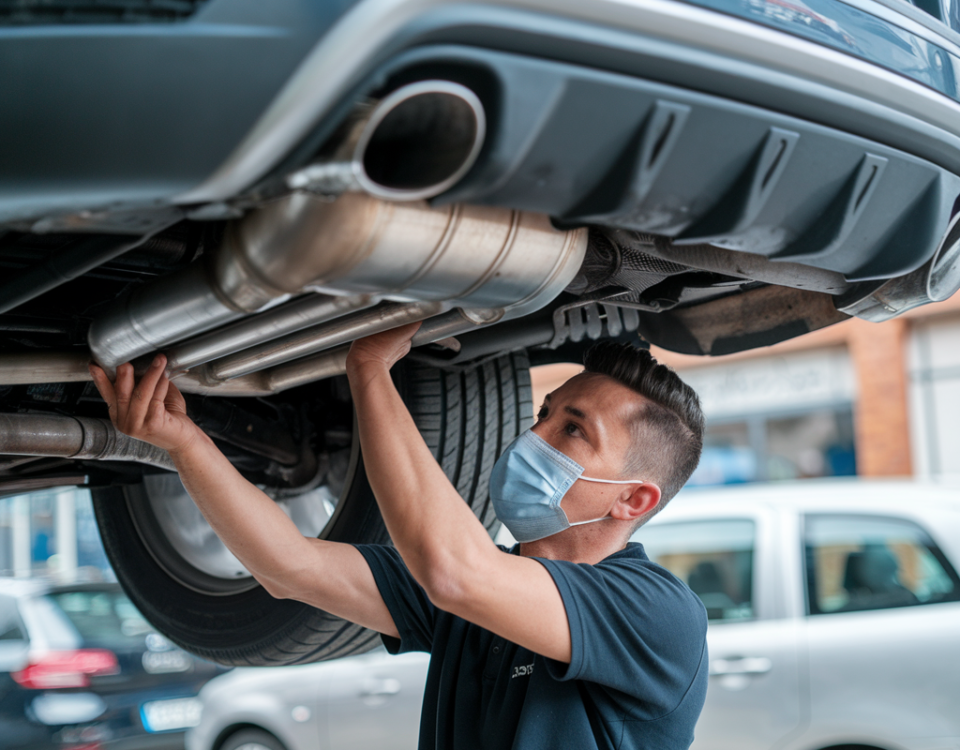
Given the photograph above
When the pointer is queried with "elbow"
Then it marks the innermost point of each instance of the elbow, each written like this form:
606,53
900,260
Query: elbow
280,584
445,590
276,588
449,578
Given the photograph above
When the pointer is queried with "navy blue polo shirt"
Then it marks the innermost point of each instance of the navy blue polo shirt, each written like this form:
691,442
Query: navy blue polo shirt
637,676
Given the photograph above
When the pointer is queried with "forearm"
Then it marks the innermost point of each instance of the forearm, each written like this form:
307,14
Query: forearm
250,523
434,530
328,575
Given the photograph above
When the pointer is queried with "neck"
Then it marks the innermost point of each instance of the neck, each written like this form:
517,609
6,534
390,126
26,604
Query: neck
579,544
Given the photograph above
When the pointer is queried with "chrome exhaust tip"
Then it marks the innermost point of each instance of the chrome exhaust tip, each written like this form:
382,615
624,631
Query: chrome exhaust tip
413,144
944,277
936,280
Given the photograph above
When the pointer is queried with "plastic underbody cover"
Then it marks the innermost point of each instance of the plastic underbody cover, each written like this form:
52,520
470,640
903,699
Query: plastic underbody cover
600,148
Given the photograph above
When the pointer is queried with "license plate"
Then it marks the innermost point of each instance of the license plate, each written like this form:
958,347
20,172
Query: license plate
163,662
165,716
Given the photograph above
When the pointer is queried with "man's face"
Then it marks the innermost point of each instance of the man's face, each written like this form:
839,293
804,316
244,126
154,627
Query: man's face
589,419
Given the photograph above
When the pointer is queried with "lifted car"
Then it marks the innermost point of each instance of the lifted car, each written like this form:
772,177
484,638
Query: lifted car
249,187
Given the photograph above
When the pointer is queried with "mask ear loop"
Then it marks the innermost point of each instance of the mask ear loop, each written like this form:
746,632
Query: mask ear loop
607,481
615,481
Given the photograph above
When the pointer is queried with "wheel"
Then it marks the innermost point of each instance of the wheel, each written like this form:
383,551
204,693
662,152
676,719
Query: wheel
192,589
251,739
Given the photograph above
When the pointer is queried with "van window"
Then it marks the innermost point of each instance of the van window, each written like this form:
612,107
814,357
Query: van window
714,558
857,563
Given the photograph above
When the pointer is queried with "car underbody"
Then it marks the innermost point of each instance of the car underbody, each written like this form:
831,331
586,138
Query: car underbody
249,190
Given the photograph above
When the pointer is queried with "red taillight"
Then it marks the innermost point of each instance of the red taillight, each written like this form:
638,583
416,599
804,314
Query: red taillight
66,669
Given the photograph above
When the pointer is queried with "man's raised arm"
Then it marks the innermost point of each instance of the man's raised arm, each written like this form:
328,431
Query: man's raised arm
445,547
328,575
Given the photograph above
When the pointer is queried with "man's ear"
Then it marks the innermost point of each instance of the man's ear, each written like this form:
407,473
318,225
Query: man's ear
636,501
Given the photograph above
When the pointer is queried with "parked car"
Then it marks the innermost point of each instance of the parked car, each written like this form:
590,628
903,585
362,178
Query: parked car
80,669
365,702
248,187
834,612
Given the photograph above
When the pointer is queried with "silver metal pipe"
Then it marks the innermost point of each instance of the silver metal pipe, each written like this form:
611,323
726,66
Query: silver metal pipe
453,323
332,362
325,336
62,367
28,368
470,256
166,310
267,326
327,364
75,437
413,144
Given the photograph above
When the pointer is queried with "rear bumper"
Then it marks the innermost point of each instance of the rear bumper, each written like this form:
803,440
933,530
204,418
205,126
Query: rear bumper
155,118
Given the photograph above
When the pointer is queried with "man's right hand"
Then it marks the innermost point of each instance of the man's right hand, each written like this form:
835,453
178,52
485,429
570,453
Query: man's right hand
152,410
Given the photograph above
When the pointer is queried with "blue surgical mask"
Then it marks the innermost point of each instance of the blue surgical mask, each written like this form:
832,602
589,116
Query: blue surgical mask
527,484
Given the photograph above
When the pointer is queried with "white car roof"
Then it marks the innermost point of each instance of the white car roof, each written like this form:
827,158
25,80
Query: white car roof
851,494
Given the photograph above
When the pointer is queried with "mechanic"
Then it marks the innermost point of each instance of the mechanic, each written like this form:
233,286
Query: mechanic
574,639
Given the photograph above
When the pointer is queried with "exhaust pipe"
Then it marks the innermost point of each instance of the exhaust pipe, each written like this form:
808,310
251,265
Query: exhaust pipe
75,437
472,257
935,281
71,366
412,145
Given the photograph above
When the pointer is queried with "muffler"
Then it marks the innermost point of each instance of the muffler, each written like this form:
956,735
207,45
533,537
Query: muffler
358,247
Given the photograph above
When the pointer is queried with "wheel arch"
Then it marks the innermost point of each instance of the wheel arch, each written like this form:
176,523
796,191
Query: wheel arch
239,726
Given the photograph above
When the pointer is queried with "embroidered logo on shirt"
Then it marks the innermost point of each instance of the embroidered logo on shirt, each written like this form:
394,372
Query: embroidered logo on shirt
524,671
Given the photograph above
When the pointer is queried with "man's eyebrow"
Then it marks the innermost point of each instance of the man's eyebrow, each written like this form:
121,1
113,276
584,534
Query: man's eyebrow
575,412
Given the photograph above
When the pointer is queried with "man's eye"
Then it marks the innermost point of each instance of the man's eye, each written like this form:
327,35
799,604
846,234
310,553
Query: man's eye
571,428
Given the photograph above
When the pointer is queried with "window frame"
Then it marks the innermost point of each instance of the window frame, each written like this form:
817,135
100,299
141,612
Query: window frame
809,589
757,525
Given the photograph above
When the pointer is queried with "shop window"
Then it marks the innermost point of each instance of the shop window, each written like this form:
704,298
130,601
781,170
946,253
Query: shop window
815,443
857,563
714,558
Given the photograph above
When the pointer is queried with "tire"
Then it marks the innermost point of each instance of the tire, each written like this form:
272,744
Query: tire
466,418
251,739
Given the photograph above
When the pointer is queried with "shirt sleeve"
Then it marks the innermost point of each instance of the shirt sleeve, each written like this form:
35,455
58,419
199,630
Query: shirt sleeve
634,627
411,609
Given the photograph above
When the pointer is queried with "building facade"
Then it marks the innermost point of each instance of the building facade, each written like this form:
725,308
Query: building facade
855,398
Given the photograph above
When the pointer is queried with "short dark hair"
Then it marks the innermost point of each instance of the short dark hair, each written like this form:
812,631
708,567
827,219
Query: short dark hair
668,436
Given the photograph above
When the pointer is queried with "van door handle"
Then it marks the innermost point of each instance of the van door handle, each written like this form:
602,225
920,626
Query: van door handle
740,665
380,688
